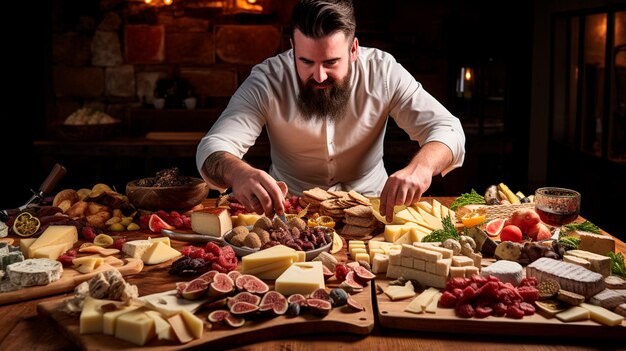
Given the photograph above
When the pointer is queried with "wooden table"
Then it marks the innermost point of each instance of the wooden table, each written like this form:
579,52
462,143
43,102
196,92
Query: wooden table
22,329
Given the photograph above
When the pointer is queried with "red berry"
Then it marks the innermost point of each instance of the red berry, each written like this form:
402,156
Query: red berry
88,233
341,271
119,243
66,260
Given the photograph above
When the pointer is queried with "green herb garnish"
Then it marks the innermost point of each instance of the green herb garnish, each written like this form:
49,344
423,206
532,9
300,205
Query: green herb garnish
467,199
585,226
441,235
569,242
617,264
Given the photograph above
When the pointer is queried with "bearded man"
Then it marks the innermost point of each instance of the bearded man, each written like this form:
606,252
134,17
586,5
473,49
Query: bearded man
325,104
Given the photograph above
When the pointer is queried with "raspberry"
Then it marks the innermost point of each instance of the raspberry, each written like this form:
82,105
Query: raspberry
119,243
175,214
341,271
88,233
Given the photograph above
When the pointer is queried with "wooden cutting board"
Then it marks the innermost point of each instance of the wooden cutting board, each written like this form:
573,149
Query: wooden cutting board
339,320
391,315
68,281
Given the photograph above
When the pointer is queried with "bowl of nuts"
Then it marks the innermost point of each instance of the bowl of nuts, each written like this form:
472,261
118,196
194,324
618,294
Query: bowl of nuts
266,233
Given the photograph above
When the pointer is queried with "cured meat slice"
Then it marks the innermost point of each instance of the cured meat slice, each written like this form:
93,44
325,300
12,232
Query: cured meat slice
571,277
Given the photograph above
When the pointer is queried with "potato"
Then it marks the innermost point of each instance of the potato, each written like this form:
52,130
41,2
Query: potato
78,209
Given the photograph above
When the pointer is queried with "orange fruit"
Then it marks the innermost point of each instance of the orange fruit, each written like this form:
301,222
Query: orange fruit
473,219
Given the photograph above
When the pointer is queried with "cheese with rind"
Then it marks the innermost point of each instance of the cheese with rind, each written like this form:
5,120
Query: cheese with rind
159,252
53,235
602,315
211,221
34,271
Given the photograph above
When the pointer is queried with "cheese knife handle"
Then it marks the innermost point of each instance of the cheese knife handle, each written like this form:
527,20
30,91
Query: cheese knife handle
58,171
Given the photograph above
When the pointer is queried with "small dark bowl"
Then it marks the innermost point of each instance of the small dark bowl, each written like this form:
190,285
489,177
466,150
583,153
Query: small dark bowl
168,197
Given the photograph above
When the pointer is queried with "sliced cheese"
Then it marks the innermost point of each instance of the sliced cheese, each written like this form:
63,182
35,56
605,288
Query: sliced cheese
574,314
421,301
380,262
436,210
162,328
53,251
180,328
432,306
159,252
53,235
433,222
87,264
395,292
193,323
164,239
597,243
25,244
267,256
135,327
301,278
602,315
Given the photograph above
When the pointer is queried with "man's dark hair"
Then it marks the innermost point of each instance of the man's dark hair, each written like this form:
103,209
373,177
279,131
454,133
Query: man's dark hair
319,18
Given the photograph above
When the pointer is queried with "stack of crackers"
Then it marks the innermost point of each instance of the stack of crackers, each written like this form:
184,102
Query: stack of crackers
351,208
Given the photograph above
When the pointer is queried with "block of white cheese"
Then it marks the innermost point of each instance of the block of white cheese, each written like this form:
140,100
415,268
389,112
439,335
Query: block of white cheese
53,251
136,327
54,234
109,319
168,304
136,248
34,271
301,278
506,271
211,221
159,252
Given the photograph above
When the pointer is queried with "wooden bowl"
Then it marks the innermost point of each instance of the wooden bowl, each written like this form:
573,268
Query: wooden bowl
168,197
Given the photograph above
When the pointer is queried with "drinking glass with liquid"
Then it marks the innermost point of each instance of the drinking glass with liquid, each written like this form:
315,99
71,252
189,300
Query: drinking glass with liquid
557,206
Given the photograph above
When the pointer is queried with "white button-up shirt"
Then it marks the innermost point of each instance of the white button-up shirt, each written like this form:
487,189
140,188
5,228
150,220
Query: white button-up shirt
346,155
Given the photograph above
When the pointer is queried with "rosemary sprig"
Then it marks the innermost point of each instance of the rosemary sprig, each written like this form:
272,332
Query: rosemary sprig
441,235
467,199
617,264
585,226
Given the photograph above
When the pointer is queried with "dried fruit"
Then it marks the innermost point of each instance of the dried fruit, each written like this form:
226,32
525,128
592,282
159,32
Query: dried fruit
250,283
221,285
339,297
319,307
243,308
245,297
26,224
156,224
195,289
275,302
103,240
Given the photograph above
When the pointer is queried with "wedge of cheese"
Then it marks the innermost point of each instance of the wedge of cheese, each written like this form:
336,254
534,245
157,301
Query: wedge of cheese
87,264
54,235
162,328
159,252
211,221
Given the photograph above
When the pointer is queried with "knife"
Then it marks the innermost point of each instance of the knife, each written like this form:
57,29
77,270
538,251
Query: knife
56,174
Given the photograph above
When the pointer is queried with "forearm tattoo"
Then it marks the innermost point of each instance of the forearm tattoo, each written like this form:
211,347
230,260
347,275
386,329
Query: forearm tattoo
214,168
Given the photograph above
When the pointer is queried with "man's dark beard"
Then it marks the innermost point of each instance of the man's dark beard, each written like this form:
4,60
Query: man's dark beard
329,103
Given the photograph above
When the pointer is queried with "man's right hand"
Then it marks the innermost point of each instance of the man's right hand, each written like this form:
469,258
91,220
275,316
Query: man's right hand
258,191
254,188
